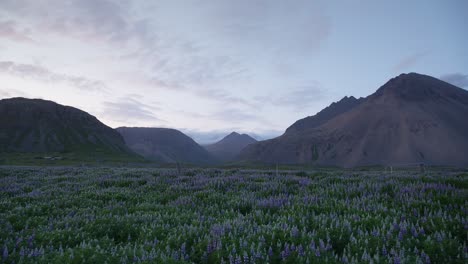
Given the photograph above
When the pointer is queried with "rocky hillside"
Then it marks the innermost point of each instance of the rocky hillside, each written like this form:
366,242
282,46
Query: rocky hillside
42,127
413,118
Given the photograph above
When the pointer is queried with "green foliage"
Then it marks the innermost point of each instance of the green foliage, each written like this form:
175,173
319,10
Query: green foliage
122,215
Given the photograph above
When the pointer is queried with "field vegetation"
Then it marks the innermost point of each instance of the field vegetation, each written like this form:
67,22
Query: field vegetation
147,215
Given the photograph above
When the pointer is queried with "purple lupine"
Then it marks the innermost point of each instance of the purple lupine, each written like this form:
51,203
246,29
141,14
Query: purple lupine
246,257
283,256
5,252
375,233
322,244
270,252
384,251
31,241
400,236
421,231
300,250
18,241
244,244
425,258
210,248
295,232
286,250
183,249
312,245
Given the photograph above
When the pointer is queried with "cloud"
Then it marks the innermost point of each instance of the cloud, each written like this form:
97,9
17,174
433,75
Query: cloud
233,115
39,73
457,79
223,96
86,19
223,41
4,94
296,27
130,111
298,98
226,113
214,50
7,93
409,61
9,30
301,98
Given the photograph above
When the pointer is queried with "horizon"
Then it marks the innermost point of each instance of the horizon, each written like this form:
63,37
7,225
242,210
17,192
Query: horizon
133,64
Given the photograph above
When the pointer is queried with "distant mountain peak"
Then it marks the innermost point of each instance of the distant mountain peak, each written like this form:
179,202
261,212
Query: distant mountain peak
232,134
416,87
346,98
231,145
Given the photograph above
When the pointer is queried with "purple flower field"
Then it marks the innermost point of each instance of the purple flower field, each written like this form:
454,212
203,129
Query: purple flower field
122,215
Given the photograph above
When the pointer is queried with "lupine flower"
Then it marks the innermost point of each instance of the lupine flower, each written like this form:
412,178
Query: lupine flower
396,260
5,252
246,216
270,252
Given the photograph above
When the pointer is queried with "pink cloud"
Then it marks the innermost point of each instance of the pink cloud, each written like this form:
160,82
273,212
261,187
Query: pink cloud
9,30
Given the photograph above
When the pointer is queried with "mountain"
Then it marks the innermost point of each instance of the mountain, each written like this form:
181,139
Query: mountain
335,109
40,127
165,145
413,118
230,146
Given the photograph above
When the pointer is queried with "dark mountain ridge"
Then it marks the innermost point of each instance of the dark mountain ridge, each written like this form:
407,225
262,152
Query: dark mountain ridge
165,145
329,112
40,126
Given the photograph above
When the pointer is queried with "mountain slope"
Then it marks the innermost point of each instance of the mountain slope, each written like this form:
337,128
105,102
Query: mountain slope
230,146
164,145
413,118
40,126
331,111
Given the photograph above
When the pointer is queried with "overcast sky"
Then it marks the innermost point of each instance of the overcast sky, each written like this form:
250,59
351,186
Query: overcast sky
209,67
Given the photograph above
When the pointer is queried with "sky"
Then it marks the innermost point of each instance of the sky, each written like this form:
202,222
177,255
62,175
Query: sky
209,67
